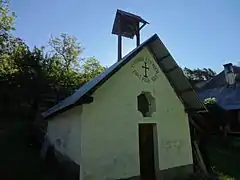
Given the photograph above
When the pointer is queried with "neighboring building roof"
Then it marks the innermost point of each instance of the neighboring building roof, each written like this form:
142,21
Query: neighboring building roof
219,80
228,97
166,63
201,84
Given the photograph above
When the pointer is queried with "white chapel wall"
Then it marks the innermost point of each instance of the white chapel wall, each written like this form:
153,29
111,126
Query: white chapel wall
110,126
64,133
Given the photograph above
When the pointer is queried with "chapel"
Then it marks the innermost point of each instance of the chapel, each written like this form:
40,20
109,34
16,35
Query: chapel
132,120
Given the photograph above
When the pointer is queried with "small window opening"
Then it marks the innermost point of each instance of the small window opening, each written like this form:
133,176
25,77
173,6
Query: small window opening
146,104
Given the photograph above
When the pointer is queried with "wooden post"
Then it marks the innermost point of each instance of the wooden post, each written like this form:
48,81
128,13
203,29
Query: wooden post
119,47
138,35
127,25
199,159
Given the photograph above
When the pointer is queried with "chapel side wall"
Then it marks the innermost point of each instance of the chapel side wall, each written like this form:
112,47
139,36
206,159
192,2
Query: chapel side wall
110,127
64,133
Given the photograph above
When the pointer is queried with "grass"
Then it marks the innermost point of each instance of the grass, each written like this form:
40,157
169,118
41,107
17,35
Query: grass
222,176
19,160
225,158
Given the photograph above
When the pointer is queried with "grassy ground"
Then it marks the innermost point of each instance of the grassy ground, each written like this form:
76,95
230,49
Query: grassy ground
225,157
19,160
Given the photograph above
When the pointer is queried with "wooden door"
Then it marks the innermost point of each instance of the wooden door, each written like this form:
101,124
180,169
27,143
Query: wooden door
146,151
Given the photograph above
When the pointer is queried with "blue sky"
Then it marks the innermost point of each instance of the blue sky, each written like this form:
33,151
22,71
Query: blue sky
203,33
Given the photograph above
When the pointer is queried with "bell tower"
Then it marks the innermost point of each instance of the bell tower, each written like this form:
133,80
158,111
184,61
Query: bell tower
127,25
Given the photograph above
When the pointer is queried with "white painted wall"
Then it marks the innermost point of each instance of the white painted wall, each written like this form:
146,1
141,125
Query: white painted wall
64,133
110,126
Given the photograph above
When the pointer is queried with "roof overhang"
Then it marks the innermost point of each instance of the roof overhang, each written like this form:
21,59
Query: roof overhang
176,77
167,64
126,24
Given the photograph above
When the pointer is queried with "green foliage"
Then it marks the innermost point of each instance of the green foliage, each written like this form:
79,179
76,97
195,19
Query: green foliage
31,79
65,60
67,49
208,101
199,74
217,116
91,68
222,176
7,17
28,76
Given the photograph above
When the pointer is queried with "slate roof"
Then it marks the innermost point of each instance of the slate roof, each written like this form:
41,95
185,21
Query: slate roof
228,97
166,63
219,80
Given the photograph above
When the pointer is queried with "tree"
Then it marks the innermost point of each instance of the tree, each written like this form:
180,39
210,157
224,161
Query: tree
199,74
91,68
66,52
12,48
7,18
30,78
67,49
208,73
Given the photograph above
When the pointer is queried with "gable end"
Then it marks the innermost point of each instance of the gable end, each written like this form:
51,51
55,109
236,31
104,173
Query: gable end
165,62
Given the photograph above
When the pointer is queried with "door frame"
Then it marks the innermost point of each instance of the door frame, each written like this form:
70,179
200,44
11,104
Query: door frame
155,148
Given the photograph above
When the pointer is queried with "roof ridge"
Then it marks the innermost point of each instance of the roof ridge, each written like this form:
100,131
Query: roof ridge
166,63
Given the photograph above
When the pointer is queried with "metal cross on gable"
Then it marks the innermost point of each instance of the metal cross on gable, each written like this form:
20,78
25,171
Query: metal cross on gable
145,67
